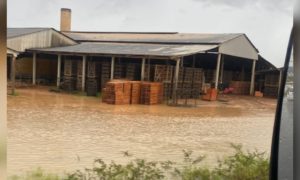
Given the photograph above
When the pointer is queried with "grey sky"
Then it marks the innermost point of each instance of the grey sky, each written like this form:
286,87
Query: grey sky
266,22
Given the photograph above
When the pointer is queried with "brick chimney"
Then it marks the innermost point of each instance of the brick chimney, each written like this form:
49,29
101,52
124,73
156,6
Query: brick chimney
65,19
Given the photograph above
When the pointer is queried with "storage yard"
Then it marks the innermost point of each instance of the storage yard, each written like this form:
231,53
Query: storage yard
51,130
187,65
150,93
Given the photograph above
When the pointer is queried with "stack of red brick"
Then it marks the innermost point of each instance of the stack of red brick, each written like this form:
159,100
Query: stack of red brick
132,92
116,93
135,92
151,93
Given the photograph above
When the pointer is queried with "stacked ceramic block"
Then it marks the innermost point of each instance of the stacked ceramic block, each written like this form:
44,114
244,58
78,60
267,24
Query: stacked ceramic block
132,92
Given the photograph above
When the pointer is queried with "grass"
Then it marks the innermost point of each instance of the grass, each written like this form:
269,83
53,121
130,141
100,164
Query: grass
239,166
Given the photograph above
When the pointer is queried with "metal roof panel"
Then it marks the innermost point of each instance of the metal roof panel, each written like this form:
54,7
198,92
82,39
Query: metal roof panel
163,38
133,49
15,32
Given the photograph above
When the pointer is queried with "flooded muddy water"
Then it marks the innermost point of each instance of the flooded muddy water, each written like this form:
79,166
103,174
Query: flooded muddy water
62,132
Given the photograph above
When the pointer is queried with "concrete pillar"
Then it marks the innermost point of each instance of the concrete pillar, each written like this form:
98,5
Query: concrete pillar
13,74
143,69
34,69
112,68
218,70
83,73
176,81
252,78
58,70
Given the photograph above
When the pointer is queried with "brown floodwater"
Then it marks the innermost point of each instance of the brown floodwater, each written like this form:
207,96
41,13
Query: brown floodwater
62,132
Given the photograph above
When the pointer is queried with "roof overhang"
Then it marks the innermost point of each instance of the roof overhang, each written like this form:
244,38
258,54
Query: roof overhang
12,52
128,49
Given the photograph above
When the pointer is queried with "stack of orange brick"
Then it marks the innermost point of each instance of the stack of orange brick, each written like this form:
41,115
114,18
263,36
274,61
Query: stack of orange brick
113,93
151,93
135,92
132,92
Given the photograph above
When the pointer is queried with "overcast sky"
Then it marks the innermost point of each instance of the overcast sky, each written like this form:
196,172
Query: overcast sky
266,22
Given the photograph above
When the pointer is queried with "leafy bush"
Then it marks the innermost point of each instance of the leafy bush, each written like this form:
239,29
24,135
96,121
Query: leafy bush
244,166
138,169
240,166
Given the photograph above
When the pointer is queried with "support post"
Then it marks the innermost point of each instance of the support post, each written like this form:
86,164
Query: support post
13,74
176,81
222,70
83,73
148,71
218,70
252,78
34,69
58,70
112,68
143,69
279,81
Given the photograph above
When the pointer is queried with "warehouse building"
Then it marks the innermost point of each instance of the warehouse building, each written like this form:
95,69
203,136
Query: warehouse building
186,64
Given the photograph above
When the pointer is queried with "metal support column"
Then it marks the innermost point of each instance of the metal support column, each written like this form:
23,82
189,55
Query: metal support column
58,70
83,73
176,81
252,78
143,69
218,70
112,68
34,69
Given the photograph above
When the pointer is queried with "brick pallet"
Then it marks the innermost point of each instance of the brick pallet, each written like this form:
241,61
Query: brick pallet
119,71
163,73
209,75
240,87
113,93
105,73
135,92
69,83
79,75
78,82
91,86
271,91
130,71
91,69
132,92
151,93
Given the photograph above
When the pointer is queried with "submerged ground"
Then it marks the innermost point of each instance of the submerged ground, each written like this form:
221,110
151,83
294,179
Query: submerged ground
61,132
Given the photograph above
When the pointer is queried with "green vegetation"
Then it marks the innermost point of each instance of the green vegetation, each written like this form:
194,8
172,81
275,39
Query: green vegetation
240,166
38,174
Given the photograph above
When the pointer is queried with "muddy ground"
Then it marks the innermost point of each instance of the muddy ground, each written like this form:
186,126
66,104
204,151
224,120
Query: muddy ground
61,132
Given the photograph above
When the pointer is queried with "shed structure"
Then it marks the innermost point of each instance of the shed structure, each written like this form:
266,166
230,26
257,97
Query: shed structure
211,53
20,39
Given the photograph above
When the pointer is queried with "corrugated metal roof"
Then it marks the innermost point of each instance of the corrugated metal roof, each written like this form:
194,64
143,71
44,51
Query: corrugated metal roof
167,38
15,32
132,49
